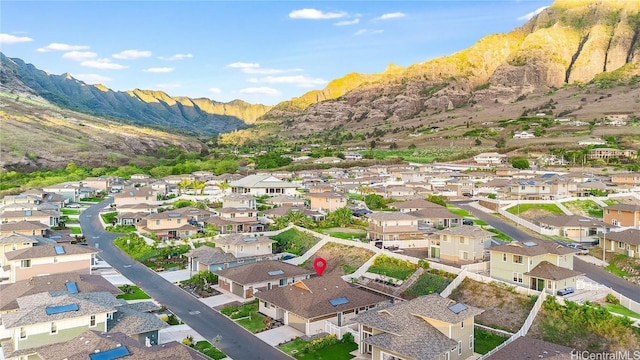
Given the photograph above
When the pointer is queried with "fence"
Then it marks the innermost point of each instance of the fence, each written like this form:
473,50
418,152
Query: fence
339,331
529,225
477,267
454,284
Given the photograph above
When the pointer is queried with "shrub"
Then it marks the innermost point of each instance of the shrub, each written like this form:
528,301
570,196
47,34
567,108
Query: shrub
348,338
319,343
612,299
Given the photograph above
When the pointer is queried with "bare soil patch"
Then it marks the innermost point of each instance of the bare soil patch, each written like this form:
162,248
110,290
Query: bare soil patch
534,215
341,259
503,309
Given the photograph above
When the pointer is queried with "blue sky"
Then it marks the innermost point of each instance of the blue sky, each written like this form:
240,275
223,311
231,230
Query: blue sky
258,51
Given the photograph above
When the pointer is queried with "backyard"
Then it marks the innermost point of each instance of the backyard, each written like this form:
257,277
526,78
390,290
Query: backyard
584,208
533,212
392,267
465,215
211,351
294,241
154,257
323,348
486,341
430,282
347,233
341,259
131,292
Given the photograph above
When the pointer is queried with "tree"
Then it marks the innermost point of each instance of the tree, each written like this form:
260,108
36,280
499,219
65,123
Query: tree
412,146
339,218
183,184
520,163
198,187
374,201
223,186
478,142
501,142
437,200
393,146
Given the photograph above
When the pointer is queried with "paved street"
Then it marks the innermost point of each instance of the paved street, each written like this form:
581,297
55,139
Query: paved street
513,232
605,278
236,342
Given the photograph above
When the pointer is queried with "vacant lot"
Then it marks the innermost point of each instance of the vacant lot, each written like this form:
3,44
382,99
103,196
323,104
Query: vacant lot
341,259
533,212
584,208
294,241
503,309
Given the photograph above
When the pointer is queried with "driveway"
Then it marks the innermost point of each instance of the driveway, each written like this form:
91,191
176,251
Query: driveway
236,342
279,335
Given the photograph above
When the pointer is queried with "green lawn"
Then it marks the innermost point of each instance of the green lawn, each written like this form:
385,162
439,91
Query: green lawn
550,208
465,214
294,241
426,284
136,293
339,351
254,323
585,207
499,234
211,351
122,229
392,267
246,315
486,341
66,211
109,218
344,233
619,309
612,201
75,230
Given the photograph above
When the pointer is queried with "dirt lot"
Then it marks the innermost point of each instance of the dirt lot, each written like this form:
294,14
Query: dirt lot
503,309
341,259
534,215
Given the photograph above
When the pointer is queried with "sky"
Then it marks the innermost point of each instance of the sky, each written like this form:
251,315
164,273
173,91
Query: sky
258,51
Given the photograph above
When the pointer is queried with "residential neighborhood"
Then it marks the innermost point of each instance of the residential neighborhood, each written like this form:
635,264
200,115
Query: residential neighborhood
247,249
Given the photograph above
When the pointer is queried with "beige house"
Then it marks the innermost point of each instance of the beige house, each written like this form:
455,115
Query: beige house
48,218
12,242
239,201
490,158
71,191
237,220
241,245
388,226
429,327
463,244
413,205
318,304
136,195
176,223
630,178
258,185
38,260
622,215
27,227
326,201
541,265
610,153
625,242
578,228
248,279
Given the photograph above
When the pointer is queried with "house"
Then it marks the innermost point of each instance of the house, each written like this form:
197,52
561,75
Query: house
248,279
48,259
425,328
523,135
526,347
575,227
413,205
435,217
390,226
236,220
622,215
239,201
462,244
318,304
91,344
70,191
169,225
230,251
610,153
490,158
48,218
258,185
26,227
630,178
285,200
540,265
207,258
352,156
136,195
242,246
327,201
625,242
12,241
284,210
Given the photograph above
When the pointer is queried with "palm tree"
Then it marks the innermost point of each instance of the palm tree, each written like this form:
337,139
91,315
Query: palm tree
198,186
223,186
183,184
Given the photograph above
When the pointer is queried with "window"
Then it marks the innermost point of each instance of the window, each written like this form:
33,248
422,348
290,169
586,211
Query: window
517,277
504,257
54,328
110,316
517,259
283,282
157,222
463,240
92,321
179,221
464,255
459,347
242,248
23,333
471,342
250,214
620,245
25,263
266,305
462,325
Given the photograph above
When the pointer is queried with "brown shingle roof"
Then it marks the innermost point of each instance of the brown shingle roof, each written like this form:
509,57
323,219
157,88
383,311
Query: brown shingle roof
387,215
546,270
629,236
240,239
259,272
310,298
539,247
16,238
41,251
208,255
624,207
466,230
572,221
415,204
23,225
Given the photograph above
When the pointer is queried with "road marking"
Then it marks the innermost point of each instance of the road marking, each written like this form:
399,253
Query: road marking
194,312
127,266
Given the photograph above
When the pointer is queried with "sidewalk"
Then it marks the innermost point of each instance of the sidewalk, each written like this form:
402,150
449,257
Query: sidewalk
592,260
175,276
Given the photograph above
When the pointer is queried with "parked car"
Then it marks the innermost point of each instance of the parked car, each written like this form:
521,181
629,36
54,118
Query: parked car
581,249
361,212
74,206
565,291
467,194
467,222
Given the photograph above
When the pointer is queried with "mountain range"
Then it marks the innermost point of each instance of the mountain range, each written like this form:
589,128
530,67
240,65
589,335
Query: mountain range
571,43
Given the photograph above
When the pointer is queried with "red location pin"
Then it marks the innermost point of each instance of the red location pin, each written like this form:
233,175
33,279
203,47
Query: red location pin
320,264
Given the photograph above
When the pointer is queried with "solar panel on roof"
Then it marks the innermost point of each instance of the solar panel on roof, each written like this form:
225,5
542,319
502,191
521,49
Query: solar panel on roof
339,301
59,249
458,308
61,309
72,287
111,354
275,272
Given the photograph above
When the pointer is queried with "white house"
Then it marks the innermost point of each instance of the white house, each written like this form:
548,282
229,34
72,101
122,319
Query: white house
490,158
258,185
523,135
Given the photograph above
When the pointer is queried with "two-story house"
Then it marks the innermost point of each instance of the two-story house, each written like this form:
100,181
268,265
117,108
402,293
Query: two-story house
390,226
490,158
318,304
578,228
541,265
427,327
38,260
70,191
234,220
630,178
463,244
136,195
26,227
259,185
230,251
49,218
248,279
413,205
622,215
232,200
176,223
326,201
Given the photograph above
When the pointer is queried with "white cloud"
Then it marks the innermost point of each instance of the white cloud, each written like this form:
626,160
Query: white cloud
530,15
92,78
260,91
79,55
242,65
347,22
168,86
132,54
314,14
159,70
215,90
176,57
104,64
254,68
62,47
12,39
389,16
299,80
367,32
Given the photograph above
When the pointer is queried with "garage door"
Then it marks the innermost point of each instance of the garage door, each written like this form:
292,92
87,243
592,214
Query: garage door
237,289
297,323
